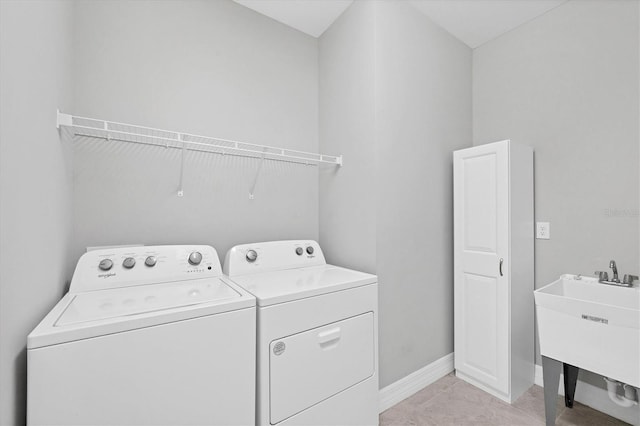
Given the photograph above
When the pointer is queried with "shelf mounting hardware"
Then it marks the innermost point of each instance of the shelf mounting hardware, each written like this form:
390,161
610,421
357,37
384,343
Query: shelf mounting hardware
255,179
181,187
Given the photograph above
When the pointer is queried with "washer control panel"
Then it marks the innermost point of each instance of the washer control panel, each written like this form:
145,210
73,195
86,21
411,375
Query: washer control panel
128,266
272,256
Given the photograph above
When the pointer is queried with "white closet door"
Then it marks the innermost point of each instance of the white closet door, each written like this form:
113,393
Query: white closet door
481,256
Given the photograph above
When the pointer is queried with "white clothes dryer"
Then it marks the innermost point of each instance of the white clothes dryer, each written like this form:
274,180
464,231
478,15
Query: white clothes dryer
147,336
317,335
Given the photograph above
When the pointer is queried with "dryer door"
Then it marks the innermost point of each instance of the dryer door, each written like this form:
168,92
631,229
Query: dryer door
314,365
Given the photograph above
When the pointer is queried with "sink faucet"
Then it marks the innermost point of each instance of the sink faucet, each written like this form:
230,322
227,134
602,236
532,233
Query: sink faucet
612,265
603,277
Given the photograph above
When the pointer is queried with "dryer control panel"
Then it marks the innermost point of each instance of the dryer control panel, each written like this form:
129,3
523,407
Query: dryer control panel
272,256
129,266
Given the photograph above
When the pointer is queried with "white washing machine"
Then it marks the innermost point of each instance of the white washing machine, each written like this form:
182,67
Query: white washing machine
145,336
317,335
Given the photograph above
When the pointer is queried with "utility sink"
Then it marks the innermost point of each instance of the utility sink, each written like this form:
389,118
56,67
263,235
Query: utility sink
591,325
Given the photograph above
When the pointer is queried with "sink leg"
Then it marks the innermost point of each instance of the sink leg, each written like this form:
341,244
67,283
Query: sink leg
570,379
551,379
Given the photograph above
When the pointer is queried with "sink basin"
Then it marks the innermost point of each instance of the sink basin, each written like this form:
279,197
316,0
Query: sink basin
591,325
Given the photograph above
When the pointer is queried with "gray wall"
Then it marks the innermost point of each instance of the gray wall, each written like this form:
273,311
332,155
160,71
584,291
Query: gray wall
399,197
347,126
205,67
35,181
423,114
567,84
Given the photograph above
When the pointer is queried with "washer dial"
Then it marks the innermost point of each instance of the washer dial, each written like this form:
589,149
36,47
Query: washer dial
195,258
129,262
150,261
105,264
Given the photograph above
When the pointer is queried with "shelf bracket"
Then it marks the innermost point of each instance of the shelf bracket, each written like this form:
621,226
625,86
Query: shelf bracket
63,119
255,179
180,188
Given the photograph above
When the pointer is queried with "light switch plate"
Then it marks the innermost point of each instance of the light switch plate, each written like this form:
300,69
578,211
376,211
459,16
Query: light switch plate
543,230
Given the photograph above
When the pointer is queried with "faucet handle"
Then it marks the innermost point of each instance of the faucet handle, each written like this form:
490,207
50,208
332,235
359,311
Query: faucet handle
602,275
629,279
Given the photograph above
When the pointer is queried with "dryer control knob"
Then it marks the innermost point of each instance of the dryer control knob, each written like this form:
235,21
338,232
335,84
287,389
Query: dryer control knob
150,261
310,250
129,262
105,264
299,251
252,256
195,258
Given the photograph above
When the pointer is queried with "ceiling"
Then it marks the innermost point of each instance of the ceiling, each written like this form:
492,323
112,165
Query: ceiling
309,16
472,21
475,22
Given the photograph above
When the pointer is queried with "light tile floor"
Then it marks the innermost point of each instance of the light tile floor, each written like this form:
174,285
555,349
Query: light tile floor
451,401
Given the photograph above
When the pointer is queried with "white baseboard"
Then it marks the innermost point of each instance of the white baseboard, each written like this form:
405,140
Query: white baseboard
596,398
414,382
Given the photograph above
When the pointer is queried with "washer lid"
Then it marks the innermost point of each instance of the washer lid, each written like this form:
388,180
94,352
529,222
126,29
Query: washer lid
96,313
100,305
293,284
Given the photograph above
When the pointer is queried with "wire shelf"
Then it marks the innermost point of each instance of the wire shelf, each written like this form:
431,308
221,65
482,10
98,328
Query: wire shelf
111,130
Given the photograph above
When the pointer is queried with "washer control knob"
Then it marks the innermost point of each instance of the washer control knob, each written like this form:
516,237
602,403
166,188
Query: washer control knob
129,262
310,250
150,261
299,251
105,264
252,256
195,258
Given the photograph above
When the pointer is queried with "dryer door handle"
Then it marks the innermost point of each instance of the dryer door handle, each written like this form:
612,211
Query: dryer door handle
328,336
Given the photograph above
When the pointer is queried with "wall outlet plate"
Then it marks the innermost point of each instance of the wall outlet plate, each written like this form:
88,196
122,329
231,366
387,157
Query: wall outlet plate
543,230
